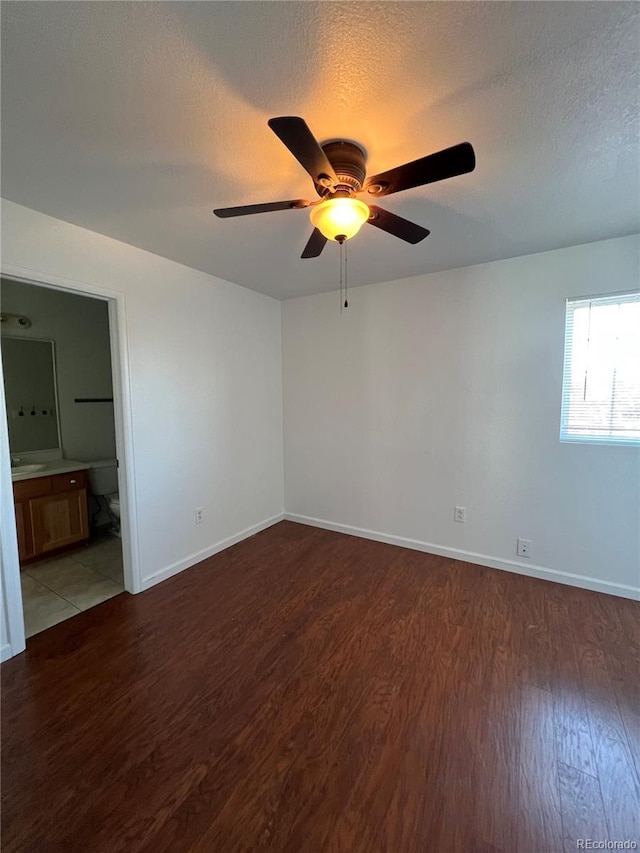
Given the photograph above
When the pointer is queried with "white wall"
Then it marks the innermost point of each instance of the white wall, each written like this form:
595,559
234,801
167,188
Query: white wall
12,638
80,328
205,373
445,389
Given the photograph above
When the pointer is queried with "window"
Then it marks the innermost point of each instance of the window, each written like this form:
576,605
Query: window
601,381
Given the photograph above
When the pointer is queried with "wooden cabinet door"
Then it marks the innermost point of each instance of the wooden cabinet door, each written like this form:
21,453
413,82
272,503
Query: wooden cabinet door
59,520
23,526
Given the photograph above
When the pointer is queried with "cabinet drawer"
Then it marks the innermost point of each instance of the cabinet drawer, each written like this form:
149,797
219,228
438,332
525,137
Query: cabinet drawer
34,488
69,481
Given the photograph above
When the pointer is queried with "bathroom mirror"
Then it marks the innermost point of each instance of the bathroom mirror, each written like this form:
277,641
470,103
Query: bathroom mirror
30,387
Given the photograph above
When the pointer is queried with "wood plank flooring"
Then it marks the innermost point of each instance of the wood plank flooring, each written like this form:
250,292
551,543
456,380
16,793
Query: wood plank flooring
306,691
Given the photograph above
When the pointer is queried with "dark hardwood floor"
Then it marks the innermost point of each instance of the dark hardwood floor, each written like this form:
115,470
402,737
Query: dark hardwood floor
306,691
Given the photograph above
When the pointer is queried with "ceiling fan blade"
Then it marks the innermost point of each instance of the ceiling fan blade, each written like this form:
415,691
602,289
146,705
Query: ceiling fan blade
295,134
457,160
315,244
396,225
294,204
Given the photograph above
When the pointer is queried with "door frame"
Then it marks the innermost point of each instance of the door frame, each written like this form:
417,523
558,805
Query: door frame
13,639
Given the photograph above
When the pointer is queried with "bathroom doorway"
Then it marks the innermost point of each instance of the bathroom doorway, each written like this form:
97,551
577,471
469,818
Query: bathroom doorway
62,380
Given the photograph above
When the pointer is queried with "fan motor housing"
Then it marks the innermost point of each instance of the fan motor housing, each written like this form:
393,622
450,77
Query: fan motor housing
349,163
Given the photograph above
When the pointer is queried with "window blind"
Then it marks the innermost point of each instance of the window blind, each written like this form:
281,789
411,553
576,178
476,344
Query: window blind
601,380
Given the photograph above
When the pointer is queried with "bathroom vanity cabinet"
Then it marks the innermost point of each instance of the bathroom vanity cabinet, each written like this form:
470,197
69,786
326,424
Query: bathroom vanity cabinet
51,513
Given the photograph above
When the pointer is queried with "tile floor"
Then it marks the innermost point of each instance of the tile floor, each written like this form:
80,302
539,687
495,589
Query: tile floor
57,589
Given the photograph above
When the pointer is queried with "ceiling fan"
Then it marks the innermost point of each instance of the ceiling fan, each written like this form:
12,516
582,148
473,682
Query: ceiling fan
338,169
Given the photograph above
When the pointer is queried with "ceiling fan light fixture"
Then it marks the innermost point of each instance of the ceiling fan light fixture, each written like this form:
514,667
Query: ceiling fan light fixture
338,170
339,217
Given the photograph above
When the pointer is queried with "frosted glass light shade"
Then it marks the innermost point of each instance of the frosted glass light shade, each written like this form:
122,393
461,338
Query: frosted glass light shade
337,217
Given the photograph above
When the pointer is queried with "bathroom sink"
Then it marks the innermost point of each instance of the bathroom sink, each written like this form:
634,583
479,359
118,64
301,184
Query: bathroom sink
29,469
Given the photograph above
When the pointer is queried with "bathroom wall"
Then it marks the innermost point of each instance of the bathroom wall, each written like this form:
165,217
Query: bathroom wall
79,326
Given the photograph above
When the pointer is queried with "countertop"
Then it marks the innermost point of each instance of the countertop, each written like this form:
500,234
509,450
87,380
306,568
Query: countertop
55,466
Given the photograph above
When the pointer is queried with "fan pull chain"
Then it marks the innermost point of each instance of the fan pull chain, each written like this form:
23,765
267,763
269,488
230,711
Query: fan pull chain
346,283
343,272
341,244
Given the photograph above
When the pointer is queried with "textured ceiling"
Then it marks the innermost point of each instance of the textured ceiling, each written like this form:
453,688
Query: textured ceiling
136,119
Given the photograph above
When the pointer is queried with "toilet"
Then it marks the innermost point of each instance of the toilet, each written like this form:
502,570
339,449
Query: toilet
103,482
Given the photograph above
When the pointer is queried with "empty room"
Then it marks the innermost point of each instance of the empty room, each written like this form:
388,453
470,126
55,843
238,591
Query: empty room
319,537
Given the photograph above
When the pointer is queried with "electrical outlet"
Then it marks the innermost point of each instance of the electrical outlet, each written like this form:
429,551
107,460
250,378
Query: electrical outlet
199,514
524,548
459,514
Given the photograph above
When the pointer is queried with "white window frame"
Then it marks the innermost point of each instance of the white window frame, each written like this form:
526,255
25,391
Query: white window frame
571,304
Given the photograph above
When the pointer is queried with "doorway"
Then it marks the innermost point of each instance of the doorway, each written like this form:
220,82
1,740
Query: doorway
62,352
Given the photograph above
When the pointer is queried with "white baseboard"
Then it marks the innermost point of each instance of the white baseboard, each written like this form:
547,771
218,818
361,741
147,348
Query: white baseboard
471,557
5,652
193,559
